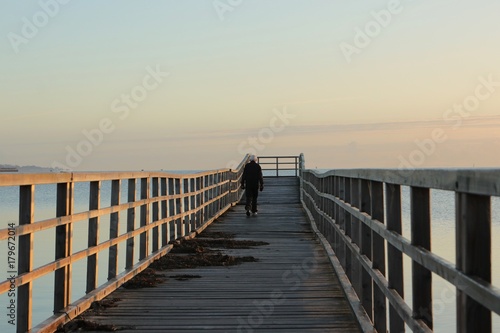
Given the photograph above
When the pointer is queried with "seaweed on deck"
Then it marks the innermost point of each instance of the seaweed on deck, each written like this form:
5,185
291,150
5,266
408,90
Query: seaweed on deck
146,279
205,251
80,324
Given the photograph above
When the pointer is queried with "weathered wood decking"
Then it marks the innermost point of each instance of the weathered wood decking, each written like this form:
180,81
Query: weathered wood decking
292,287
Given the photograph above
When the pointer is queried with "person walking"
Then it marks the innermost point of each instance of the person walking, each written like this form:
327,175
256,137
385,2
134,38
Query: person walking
252,181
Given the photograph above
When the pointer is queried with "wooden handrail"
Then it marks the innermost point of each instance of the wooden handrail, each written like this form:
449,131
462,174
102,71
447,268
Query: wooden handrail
280,163
349,208
184,203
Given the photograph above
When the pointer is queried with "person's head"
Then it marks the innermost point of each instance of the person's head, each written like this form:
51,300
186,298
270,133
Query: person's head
253,158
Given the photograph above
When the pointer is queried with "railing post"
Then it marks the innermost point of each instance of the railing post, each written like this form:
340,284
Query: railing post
198,203
25,264
473,256
377,213
179,190
93,234
156,214
201,201
186,207
64,234
172,207
421,236
144,237
130,224
394,256
356,237
366,249
165,230
114,223
340,218
348,229
193,203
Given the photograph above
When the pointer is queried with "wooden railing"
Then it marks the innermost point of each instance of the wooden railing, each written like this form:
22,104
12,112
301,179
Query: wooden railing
358,214
280,166
170,206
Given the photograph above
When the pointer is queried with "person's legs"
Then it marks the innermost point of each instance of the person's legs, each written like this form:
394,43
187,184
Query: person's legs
249,196
254,200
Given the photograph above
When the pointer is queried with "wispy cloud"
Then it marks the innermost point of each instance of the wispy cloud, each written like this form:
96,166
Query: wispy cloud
325,100
473,122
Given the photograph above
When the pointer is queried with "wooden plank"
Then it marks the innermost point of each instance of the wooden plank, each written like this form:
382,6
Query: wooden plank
67,177
473,256
25,264
421,237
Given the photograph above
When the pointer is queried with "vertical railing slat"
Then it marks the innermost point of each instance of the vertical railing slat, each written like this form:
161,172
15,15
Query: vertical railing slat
366,249
62,276
144,219
394,256
377,213
165,230
348,229
130,224
341,220
193,203
172,208
25,263
356,236
473,255
180,208
201,199
156,214
114,225
421,237
186,207
93,233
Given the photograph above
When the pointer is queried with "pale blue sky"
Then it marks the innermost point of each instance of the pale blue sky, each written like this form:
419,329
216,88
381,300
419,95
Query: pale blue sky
227,76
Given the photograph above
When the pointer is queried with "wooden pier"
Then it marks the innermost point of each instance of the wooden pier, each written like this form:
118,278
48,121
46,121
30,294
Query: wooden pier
291,288
330,261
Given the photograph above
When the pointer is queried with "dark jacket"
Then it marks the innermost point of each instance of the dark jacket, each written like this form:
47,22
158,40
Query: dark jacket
252,175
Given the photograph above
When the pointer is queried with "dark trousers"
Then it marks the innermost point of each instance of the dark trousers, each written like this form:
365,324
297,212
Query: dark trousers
252,193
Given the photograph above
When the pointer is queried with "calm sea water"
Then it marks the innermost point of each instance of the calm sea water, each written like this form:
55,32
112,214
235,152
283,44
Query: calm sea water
443,244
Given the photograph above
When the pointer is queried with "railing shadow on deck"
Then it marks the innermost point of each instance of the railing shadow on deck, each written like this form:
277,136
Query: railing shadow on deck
358,213
170,206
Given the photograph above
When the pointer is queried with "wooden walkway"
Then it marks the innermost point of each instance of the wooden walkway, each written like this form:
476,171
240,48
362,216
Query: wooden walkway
291,288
